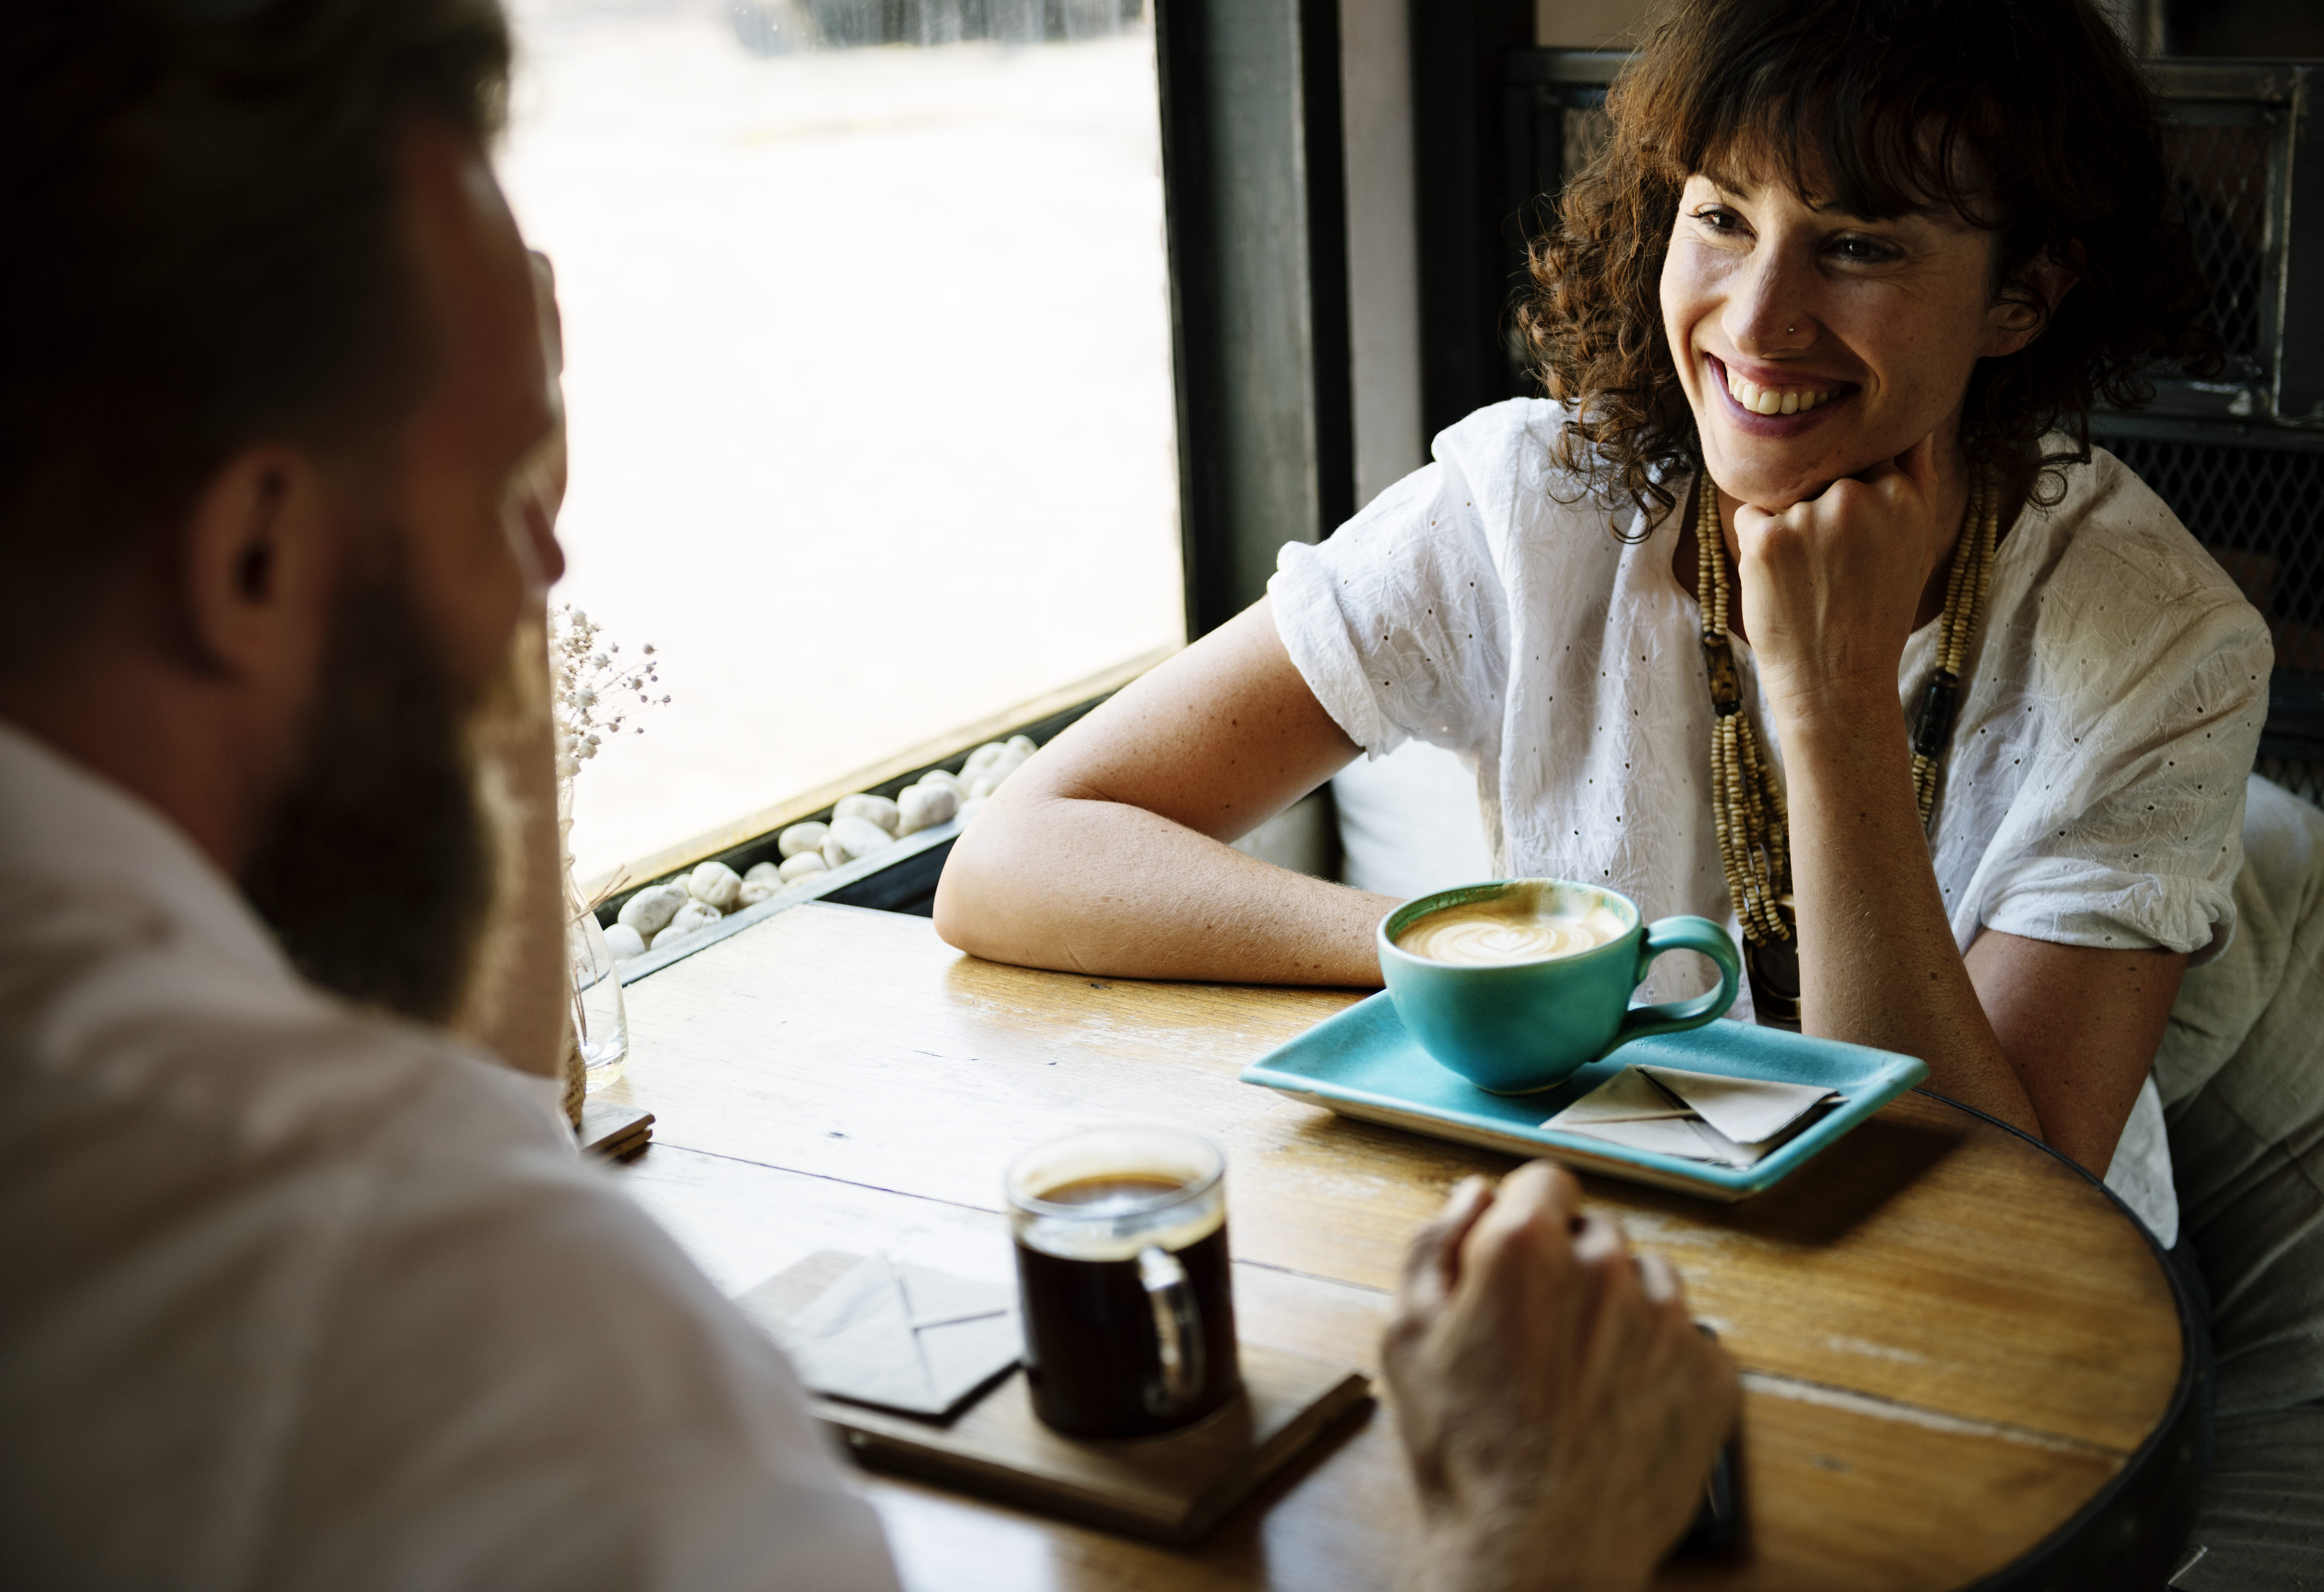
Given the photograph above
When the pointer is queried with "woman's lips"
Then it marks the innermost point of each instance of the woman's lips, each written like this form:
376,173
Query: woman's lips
1774,412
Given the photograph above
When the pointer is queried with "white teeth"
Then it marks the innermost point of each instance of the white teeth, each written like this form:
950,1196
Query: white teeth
1774,400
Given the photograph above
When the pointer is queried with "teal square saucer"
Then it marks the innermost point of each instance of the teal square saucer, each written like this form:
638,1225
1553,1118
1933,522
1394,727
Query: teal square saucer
1361,1062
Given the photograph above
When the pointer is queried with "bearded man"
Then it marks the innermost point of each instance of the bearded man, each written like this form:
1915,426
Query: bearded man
306,1285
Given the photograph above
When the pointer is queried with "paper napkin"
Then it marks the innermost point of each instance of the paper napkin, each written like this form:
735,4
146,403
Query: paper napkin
1699,1115
905,1338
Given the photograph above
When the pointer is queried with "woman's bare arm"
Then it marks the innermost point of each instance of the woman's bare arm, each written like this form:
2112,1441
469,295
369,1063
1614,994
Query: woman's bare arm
2080,1026
1107,852
2053,1039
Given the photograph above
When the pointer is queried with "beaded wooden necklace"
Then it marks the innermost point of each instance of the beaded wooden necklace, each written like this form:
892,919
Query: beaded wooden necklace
1747,804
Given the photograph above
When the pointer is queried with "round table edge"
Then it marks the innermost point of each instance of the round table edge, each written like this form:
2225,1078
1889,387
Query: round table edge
2131,1531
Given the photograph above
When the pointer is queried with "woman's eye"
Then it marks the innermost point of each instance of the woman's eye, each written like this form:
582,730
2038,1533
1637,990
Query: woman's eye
1719,218
1862,250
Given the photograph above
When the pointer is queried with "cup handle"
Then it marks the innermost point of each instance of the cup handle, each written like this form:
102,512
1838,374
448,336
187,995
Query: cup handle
1683,933
1177,1331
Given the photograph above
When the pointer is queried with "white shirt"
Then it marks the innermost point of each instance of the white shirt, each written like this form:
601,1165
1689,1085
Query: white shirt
300,1297
2093,795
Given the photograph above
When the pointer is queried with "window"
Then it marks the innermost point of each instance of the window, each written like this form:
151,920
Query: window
867,372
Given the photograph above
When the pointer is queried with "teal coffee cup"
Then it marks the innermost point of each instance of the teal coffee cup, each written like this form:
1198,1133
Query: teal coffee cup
1516,984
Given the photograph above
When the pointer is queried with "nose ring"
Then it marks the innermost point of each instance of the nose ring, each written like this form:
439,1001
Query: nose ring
1789,330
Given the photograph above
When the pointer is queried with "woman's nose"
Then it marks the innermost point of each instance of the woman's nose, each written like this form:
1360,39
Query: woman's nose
1772,310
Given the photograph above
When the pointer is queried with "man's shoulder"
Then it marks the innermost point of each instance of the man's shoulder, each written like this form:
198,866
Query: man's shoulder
345,1282
112,1009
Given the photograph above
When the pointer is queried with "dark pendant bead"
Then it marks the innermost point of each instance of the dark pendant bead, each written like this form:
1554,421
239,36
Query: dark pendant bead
1725,680
1774,969
1937,711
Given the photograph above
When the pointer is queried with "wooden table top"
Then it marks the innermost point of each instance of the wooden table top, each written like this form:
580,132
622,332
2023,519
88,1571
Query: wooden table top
1951,1340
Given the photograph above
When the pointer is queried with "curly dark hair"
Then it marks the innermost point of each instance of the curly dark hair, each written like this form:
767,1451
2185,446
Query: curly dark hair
2027,118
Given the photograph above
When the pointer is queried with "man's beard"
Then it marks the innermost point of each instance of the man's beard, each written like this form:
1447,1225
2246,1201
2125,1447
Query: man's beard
378,867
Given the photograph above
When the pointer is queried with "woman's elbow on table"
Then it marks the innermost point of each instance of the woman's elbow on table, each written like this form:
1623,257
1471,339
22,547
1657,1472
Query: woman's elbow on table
986,894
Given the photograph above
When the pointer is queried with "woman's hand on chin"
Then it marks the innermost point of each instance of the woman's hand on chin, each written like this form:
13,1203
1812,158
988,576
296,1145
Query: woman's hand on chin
1832,586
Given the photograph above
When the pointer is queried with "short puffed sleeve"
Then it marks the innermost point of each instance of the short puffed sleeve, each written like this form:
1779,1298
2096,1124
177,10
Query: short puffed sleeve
1398,622
2147,673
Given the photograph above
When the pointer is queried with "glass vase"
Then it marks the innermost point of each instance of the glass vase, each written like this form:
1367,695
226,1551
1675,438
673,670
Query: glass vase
601,1027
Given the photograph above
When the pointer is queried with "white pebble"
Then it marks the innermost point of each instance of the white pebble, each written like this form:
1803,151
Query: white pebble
1022,745
692,918
925,806
649,911
989,779
758,890
947,778
761,872
983,757
879,809
715,884
805,865
834,855
624,942
857,837
802,837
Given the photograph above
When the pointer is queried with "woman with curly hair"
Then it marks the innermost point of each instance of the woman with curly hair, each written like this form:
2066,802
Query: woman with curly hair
1803,601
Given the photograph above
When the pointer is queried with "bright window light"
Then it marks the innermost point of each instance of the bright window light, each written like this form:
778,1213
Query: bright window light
868,373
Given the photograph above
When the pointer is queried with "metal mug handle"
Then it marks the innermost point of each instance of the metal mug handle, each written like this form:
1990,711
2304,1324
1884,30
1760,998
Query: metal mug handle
1177,1331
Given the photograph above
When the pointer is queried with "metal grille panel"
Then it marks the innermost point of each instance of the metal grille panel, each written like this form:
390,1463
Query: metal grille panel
2261,513
2222,179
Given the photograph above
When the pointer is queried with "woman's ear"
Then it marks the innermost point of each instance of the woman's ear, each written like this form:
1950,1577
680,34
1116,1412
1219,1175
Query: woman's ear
2021,309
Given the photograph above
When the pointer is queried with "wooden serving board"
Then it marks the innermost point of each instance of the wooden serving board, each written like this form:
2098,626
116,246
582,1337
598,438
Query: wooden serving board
614,1132
1169,1489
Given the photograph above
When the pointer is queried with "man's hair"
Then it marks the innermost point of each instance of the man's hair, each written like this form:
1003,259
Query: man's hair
205,252
2025,117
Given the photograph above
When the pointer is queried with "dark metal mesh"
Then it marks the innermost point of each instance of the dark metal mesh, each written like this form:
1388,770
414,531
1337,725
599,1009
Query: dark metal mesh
2261,513
2221,175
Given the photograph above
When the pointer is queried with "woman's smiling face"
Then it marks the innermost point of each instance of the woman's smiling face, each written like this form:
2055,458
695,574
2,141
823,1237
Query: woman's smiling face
1813,344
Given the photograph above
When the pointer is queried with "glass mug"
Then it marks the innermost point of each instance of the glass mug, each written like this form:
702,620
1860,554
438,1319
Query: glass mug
1123,1275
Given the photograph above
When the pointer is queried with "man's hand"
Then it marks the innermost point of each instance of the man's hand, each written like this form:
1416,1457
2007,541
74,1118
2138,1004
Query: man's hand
1559,1408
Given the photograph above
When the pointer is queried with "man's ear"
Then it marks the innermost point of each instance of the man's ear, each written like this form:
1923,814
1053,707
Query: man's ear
249,582
2022,310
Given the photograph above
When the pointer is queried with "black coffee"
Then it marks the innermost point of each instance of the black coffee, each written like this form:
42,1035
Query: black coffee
1093,1350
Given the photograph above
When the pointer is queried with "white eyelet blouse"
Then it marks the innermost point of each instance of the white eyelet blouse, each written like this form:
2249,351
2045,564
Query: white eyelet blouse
2093,794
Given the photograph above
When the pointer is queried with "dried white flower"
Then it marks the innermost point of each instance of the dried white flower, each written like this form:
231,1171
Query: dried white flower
585,680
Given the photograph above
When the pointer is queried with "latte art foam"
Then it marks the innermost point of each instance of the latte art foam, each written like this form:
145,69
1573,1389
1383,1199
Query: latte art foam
1509,929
